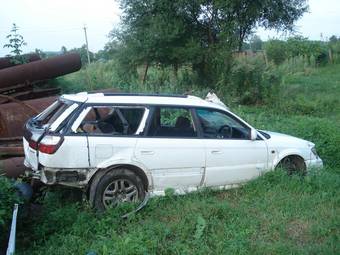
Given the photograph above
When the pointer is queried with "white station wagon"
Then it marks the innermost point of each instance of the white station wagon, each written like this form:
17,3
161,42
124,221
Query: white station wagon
120,147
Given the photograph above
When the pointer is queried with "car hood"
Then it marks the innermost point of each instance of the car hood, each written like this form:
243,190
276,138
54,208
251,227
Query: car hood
287,140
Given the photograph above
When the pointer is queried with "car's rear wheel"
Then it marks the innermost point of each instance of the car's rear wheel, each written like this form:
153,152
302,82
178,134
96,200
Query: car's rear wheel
293,165
116,187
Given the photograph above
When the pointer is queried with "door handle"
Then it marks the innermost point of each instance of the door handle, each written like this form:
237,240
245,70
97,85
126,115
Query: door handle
216,152
147,152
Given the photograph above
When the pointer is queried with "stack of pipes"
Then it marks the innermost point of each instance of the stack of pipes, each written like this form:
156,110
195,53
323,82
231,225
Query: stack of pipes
21,98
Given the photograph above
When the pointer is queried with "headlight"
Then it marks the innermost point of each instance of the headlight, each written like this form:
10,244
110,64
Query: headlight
314,152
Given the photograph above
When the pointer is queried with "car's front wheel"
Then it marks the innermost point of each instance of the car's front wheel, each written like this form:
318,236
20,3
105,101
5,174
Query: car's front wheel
293,165
117,186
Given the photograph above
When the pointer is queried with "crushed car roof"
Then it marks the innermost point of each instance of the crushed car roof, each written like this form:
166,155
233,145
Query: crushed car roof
141,99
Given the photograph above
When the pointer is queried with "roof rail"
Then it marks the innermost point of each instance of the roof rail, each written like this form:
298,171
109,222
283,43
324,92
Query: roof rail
142,94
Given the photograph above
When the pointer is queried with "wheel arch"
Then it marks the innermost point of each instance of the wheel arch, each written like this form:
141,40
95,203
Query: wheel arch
295,156
102,171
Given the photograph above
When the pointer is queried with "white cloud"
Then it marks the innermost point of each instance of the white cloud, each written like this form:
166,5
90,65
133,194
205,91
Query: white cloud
50,24
323,17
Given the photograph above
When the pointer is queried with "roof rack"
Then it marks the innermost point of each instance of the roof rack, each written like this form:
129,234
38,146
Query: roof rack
142,94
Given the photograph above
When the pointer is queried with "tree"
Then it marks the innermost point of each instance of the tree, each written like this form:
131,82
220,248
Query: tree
202,32
110,51
279,15
40,53
63,50
255,43
83,54
15,43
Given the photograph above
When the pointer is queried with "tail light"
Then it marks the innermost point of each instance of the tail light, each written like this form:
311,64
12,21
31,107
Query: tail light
50,144
33,144
29,138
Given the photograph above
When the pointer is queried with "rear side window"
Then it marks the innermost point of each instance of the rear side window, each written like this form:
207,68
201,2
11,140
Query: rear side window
172,122
111,120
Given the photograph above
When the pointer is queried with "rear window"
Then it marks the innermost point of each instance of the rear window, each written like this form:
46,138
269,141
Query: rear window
52,113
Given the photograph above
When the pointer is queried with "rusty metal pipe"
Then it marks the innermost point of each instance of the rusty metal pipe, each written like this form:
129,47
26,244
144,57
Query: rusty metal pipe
40,70
13,167
14,150
8,61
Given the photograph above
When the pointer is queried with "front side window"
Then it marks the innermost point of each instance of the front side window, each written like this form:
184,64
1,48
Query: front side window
110,120
172,122
216,124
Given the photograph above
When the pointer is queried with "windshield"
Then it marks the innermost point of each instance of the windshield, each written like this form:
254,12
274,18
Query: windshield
266,135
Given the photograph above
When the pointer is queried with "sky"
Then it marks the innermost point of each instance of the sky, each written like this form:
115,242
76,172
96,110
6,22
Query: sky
50,24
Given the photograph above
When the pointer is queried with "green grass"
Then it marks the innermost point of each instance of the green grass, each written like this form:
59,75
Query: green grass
316,93
274,214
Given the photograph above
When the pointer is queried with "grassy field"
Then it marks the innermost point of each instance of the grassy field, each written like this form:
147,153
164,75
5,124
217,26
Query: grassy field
274,214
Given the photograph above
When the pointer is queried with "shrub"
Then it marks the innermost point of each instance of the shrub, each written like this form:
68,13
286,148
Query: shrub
252,82
8,196
276,51
335,50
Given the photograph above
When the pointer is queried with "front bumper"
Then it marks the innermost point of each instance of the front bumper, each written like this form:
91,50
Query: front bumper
314,163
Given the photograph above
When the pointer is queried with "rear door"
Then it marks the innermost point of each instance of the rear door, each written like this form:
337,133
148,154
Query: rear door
171,149
111,132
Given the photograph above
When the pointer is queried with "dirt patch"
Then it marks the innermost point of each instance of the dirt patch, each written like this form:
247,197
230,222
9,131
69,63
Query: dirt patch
297,230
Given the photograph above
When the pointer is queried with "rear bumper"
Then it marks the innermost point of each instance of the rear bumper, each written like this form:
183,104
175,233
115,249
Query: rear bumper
69,177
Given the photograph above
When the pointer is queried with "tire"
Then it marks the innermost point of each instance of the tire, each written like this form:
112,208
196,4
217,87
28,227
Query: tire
293,165
116,186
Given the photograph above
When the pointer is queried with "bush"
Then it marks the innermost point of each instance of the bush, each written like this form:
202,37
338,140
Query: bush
8,197
252,82
335,49
276,51
312,52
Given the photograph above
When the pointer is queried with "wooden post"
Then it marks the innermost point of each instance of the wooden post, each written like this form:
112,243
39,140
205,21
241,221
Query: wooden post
145,74
265,57
330,54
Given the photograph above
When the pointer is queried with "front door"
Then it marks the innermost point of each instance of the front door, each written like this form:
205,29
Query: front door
171,150
231,157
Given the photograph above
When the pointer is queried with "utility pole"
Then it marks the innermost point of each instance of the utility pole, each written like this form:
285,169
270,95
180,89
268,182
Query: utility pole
87,45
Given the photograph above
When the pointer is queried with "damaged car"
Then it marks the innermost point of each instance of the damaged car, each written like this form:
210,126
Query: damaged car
120,147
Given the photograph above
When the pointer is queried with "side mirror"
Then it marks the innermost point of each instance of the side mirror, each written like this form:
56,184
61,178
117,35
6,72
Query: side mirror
253,134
